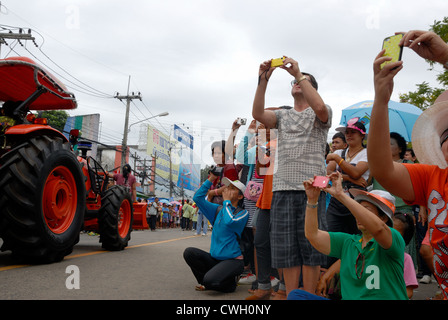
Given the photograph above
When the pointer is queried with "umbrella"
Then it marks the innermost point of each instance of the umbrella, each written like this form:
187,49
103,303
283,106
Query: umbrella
164,201
176,202
402,116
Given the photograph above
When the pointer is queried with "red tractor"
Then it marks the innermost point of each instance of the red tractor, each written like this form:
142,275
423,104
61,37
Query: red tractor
47,193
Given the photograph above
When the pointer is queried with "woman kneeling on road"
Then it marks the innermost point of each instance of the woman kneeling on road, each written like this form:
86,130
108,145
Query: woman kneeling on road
219,269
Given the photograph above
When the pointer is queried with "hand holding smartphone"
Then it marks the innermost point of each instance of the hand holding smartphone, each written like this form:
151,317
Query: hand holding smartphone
321,181
393,50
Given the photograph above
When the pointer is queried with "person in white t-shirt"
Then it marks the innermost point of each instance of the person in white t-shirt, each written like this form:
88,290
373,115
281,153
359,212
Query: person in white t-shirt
352,162
151,213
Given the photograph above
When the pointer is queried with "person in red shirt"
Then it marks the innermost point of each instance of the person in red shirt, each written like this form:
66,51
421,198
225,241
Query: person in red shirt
424,184
230,171
126,179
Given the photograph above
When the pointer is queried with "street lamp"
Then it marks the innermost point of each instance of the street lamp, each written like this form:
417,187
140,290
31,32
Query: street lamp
163,114
125,136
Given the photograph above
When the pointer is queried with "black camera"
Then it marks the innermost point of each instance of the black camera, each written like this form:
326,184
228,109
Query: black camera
217,171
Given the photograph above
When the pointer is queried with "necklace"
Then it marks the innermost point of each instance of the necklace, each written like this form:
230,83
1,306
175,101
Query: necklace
350,157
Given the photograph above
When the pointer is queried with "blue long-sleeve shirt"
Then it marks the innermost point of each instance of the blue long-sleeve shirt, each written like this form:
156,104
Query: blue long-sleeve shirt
224,243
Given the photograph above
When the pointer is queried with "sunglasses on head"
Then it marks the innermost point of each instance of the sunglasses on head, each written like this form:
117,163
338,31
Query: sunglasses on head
359,273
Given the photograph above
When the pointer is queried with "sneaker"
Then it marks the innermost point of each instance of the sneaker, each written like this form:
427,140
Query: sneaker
199,287
274,281
248,279
425,279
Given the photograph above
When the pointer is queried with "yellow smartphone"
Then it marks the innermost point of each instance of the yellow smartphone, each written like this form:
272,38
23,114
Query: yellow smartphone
277,62
393,50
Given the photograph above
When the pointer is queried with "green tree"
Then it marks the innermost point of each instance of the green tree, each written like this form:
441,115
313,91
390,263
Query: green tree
425,95
204,173
56,118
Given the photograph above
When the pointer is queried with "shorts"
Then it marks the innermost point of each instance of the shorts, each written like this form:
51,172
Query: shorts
426,239
289,246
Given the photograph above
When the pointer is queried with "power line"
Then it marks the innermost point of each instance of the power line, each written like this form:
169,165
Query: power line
76,84
60,42
20,36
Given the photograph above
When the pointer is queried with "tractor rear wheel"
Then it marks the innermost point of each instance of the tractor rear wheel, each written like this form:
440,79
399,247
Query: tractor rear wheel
42,199
115,218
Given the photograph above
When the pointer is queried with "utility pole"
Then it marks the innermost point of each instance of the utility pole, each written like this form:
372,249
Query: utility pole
128,98
144,176
16,36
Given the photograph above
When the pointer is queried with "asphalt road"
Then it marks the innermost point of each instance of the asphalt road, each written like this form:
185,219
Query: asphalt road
150,268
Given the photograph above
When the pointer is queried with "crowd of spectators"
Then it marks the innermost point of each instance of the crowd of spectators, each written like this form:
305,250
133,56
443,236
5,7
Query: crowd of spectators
374,222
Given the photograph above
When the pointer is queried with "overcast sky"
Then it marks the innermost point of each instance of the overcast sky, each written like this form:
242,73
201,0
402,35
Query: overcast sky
199,59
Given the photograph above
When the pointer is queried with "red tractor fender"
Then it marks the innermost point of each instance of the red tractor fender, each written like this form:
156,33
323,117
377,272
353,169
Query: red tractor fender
24,129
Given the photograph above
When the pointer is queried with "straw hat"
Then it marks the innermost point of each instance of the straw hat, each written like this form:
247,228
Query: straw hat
426,134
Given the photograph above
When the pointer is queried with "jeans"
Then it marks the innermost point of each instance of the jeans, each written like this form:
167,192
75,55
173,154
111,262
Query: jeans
185,223
202,224
263,249
152,222
213,274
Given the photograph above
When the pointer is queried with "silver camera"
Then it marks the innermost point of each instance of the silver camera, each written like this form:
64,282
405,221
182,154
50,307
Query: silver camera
241,121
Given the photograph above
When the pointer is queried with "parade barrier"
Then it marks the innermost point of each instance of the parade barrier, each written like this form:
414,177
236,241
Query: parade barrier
140,222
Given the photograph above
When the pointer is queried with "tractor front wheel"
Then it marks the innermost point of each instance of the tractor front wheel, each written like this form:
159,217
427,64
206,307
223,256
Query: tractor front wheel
115,218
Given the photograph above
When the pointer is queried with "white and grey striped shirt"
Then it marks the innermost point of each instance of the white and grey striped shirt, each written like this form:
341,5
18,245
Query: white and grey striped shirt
302,139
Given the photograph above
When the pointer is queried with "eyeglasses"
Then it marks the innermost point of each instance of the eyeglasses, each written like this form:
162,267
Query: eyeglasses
293,82
359,274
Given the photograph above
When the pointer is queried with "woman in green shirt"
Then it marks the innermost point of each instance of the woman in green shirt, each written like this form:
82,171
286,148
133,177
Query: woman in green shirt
372,262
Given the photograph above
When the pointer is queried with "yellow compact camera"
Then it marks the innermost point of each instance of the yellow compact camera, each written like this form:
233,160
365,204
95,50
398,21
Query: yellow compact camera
277,62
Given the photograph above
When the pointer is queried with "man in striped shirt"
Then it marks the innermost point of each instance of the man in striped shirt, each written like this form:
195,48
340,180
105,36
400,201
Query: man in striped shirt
302,135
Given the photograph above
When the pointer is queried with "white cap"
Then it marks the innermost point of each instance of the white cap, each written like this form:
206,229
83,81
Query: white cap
236,183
